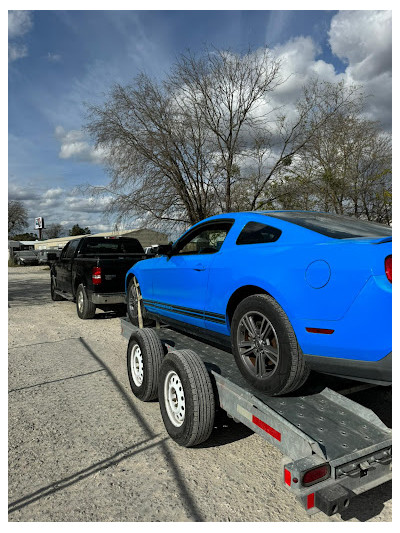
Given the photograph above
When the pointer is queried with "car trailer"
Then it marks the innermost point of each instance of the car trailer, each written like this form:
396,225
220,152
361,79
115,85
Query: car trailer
333,447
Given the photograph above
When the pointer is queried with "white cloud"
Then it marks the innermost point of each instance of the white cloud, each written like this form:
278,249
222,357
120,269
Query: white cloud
87,205
53,58
364,40
16,51
61,206
75,146
53,193
21,193
19,23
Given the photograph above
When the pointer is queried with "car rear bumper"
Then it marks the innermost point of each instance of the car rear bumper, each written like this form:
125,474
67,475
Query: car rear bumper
379,372
99,298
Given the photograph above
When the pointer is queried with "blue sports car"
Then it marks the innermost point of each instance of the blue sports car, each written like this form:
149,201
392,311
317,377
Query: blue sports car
287,291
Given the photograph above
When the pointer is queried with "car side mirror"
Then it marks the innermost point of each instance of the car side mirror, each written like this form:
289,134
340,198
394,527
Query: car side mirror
164,249
51,256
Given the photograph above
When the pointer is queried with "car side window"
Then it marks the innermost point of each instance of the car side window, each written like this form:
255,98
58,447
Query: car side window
207,240
73,245
258,233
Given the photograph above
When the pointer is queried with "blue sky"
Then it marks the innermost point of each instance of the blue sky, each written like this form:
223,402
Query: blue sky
60,59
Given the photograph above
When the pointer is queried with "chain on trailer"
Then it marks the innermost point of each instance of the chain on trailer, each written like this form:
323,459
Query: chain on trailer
333,448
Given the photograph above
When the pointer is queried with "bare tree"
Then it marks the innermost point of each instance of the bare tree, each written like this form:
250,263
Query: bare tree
172,146
277,146
17,216
208,139
227,90
345,169
53,231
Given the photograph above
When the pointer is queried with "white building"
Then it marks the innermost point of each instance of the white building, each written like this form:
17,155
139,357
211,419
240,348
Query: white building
146,237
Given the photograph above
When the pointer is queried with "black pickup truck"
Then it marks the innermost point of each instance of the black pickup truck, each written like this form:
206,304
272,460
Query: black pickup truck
91,271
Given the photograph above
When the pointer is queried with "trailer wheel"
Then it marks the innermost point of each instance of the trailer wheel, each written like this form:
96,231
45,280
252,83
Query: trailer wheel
265,346
84,307
144,357
186,398
54,296
133,299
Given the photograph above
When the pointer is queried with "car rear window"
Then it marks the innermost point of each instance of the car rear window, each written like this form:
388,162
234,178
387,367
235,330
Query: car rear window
258,233
110,246
335,226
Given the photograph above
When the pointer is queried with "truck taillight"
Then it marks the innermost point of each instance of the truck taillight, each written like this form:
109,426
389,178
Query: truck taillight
96,275
388,268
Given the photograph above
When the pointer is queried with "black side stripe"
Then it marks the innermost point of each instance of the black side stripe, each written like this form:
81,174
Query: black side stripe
186,311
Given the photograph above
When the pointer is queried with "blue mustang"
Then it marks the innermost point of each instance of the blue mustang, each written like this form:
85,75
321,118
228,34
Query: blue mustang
287,291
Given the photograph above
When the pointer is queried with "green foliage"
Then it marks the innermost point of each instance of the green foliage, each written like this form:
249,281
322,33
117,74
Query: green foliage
77,230
25,237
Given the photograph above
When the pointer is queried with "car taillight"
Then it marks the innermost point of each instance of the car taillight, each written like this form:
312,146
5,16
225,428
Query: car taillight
388,268
96,275
315,475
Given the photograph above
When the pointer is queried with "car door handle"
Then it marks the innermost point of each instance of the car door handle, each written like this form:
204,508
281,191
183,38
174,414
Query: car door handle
199,267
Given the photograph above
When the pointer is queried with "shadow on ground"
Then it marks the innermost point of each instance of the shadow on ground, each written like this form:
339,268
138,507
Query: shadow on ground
38,293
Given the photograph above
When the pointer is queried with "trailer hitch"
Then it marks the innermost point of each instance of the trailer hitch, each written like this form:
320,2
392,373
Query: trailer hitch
333,499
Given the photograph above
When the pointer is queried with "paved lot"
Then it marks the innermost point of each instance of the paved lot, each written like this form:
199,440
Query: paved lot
82,448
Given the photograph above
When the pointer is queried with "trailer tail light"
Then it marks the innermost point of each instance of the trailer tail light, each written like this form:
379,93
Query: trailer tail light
96,275
388,268
315,475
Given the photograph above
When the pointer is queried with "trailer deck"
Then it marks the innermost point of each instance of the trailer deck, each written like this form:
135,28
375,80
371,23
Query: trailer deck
316,425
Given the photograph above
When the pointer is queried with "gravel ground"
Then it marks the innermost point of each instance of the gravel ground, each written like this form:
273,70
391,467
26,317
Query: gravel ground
83,448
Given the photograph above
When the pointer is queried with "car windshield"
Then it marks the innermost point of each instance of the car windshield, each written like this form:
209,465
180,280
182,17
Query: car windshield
335,226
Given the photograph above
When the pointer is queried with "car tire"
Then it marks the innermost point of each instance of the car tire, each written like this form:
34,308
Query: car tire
54,296
144,357
265,346
84,307
132,305
186,398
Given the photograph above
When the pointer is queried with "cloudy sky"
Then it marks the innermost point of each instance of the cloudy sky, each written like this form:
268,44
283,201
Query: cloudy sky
58,60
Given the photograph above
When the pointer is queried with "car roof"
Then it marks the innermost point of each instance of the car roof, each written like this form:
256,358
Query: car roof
248,214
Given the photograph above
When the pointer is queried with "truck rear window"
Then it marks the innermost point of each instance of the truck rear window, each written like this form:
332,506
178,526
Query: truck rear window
111,246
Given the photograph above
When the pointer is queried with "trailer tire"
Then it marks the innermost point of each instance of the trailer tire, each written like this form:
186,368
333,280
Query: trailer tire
144,357
54,296
265,346
186,398
133,303
84,307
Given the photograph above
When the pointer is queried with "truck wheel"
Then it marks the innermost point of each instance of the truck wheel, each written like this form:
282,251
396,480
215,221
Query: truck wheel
85,308
144,357
54,296
265,346
186,398
132,305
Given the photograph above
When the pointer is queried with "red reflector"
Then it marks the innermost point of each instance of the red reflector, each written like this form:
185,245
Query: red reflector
268,429
320,330
287,477
317,474
388,268
96,275
310,500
